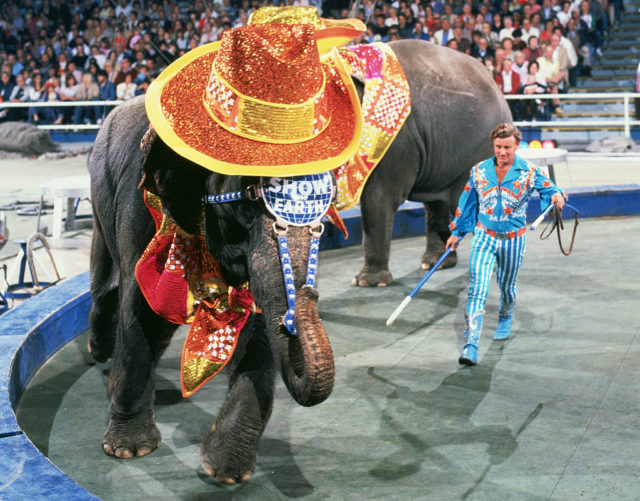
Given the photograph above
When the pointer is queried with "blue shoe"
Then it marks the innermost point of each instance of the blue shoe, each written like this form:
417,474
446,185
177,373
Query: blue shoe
469,355
503,330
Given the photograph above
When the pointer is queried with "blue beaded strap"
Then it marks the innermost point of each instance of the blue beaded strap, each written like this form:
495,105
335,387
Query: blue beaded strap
249,193
287,271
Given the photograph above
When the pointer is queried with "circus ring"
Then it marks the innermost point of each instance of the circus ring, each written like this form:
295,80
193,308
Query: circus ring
535,419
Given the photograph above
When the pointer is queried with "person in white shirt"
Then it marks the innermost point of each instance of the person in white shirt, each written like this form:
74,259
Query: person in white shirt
393,17
126,89
445,34
520,66
507,31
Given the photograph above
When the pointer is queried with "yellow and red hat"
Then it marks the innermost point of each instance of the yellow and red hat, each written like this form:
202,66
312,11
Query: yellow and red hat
330,33
258,102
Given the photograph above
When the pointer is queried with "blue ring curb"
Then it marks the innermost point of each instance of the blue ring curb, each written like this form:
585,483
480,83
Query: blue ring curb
34,331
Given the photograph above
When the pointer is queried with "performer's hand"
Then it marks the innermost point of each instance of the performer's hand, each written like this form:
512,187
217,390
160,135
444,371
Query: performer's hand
558,200
452,242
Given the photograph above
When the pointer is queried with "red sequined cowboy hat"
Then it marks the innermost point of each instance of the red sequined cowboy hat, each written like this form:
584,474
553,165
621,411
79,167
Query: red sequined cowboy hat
259,102
330,33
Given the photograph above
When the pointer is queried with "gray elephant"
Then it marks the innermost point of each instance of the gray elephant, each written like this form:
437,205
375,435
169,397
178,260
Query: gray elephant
124,327
454,105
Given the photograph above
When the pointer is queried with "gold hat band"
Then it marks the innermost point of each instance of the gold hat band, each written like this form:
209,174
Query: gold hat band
263,121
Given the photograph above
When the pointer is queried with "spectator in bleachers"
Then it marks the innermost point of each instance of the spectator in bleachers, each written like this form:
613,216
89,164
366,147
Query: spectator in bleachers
550,69
18,95
498,60
87,91
126,89
547,11
507,47
518,43
576,38
589,26
490,35
507,30
107,92
6,86
509,83
419,32
125,69
535,84
35,93
483,51
53,114
443,35
520,66
547,33
532,52
528,30
69,89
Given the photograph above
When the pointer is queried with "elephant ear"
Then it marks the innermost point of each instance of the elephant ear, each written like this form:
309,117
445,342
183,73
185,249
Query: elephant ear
179,183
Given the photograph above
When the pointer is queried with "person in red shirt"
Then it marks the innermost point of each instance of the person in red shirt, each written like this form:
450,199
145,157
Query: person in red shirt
509,83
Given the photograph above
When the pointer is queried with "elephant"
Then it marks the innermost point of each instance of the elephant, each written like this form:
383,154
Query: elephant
454,106
123,326
241,237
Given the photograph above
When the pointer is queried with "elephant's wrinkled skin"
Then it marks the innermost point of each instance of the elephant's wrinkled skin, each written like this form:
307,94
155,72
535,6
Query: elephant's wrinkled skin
241,237
454,106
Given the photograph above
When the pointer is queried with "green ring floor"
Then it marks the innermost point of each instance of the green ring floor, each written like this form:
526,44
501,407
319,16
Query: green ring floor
551,413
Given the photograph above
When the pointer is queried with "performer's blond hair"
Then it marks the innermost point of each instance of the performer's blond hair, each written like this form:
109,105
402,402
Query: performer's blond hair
506,130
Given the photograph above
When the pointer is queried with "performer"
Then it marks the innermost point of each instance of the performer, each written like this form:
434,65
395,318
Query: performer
493,205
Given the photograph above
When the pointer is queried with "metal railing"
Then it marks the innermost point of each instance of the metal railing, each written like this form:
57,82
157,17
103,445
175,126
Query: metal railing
60,104
625,122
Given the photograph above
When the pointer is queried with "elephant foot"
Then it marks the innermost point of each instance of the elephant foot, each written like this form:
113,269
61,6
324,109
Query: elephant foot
429,259
224,459
125,439
367,278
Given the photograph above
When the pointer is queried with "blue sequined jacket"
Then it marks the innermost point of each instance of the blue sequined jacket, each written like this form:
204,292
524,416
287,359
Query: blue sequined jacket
500,207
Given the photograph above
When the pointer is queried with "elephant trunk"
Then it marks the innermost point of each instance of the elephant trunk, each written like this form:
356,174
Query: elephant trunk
306,360
309,373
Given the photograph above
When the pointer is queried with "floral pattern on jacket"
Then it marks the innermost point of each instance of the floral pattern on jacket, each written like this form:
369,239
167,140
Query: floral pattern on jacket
500,206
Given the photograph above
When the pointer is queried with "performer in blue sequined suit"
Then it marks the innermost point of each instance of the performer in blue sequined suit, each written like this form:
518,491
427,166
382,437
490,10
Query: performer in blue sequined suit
493,206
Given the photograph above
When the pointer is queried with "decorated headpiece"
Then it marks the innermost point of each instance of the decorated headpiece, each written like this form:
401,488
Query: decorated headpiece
330,33
259,102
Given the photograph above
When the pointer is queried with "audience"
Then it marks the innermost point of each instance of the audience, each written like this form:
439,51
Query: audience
115,48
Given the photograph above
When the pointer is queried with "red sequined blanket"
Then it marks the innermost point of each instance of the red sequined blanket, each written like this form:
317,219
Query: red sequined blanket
182,283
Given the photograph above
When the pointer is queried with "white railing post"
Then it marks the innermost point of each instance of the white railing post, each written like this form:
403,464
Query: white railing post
627,118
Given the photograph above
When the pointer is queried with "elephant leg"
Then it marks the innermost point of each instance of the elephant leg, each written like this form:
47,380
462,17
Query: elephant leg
378,214
140,339
437,224
228,452
103,318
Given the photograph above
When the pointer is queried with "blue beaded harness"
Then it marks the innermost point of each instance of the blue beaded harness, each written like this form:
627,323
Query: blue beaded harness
294,201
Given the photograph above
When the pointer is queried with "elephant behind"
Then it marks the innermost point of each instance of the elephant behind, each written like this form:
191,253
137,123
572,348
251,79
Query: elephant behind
123,326
454,105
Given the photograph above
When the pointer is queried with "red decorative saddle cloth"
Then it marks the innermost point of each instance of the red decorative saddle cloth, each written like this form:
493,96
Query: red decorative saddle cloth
182,283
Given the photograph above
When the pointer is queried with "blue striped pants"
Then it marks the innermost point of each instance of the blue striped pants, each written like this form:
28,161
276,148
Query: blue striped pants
486,252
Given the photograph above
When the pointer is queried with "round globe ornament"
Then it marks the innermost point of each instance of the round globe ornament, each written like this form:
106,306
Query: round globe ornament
298,200
523,145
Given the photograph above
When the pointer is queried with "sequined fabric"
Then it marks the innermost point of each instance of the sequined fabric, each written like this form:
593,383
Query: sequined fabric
182,283
386,104
278,74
